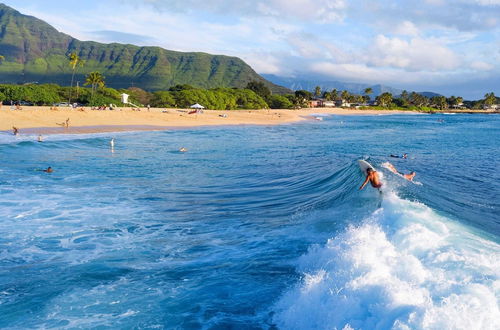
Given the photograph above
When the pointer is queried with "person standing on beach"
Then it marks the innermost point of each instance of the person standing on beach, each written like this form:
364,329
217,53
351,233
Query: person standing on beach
372,176
15,130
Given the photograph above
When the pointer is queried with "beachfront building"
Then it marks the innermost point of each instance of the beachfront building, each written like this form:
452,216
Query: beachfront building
342,103
316,103
495,107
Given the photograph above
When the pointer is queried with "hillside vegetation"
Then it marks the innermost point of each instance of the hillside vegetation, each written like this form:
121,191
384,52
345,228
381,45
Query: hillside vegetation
34,51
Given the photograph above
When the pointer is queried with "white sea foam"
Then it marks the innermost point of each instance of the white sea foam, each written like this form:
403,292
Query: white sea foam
405,267
8,138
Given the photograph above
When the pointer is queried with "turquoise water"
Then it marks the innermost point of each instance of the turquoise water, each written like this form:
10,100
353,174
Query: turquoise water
254,227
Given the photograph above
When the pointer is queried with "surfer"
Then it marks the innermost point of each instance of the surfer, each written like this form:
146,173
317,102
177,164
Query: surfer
372,176
15,130
404,156
47,170
408,176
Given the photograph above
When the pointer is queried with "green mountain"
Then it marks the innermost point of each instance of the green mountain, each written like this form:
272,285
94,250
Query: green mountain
34,51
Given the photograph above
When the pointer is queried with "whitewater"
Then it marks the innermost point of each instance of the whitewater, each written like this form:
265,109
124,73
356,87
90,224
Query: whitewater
254,227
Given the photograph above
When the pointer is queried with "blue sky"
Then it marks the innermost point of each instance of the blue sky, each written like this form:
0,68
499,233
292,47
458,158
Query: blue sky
447,46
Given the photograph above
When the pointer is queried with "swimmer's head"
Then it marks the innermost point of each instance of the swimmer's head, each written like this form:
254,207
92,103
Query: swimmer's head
369,170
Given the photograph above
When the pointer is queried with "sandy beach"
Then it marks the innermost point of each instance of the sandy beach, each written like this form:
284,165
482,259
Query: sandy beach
50,121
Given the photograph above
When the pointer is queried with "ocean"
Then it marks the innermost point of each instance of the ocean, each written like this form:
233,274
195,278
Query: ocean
254,227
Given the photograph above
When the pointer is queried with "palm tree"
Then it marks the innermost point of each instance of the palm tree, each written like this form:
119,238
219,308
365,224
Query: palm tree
368,91
96,80
344,95
489,98
317,91
74,61
334,94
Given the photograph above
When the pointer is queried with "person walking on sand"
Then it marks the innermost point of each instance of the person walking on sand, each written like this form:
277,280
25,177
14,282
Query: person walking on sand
67,123
372,176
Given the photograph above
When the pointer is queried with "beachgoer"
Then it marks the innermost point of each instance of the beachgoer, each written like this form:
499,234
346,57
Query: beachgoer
372,176
408,176
48,170
15,130
112,143
67,123
183,149
40,139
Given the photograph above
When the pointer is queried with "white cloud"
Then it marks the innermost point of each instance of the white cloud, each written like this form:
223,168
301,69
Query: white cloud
364,73
407,28
413,55
265,63
325,11
481,66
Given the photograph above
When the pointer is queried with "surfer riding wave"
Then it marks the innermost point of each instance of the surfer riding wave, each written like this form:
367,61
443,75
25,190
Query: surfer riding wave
373,177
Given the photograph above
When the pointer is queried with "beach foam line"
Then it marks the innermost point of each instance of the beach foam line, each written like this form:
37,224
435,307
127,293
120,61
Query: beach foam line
404,267
88,129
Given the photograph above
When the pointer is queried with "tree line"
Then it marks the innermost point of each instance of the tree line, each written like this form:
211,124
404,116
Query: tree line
406,100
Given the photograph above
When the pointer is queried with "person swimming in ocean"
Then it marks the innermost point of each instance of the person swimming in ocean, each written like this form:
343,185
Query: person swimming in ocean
404,156
372,176
408,176
47,170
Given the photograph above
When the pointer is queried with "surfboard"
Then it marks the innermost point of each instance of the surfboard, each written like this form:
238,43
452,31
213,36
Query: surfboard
364,165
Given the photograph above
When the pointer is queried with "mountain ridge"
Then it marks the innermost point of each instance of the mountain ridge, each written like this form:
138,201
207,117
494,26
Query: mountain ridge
328,85
35,51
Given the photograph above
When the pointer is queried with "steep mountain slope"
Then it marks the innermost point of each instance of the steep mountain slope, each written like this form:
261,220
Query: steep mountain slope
34,51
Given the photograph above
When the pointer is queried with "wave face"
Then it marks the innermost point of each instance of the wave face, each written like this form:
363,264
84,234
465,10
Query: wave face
404,267
254,227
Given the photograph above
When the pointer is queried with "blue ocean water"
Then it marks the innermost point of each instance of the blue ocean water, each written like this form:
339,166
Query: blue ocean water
254,227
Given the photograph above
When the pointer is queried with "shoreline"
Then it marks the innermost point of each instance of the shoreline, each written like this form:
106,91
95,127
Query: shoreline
47,120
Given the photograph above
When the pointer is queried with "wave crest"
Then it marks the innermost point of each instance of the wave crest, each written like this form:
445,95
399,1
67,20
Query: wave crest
405,267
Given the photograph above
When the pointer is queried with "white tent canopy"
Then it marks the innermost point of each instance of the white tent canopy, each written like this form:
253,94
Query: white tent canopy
197,106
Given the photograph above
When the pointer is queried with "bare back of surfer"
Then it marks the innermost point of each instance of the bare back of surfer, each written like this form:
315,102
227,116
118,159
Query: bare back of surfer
372,176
